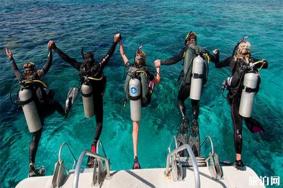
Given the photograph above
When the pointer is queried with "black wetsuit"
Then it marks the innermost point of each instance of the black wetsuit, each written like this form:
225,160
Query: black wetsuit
43,98
238,68
94,70
185,76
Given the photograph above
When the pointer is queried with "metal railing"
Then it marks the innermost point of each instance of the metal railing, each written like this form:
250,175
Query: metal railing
173,155
208,139
79,163
70,150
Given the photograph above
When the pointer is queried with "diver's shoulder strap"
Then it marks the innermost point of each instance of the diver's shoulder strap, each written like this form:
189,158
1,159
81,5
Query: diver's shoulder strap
30,82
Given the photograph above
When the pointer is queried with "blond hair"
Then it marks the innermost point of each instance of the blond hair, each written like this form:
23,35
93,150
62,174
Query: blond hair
238,54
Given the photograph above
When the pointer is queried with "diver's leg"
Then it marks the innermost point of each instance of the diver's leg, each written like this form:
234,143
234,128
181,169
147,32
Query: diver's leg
98,109
34,145
182,96
32,150
253,125
237,125
58,107
183,136
135,135
194,129
99,119
195,109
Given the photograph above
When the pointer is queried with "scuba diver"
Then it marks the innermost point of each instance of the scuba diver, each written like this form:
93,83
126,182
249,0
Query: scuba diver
242,86
37,102
193,77
93,84
138,88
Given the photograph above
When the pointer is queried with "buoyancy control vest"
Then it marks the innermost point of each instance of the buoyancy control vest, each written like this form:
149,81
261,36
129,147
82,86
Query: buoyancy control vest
93,71
189,55
140,73
31,94
239,70
93,82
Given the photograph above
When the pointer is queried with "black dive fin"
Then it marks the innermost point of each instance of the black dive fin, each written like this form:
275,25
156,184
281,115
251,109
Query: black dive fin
72,94
253,125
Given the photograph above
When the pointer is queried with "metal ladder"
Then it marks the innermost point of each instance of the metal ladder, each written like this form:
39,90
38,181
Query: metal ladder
174,165
101,168
61,174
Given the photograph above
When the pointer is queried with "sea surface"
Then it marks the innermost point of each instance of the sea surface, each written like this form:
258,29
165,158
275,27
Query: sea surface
160,26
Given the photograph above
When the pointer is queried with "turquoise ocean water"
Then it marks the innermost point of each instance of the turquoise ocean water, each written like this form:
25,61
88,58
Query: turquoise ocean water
26,27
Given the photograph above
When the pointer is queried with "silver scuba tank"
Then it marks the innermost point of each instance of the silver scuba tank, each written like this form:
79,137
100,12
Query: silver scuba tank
248,93
30,110
197,76
87,94
135,98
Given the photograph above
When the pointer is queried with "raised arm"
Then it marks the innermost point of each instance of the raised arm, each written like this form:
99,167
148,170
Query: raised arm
47,65
16,71
64,56
261,63
214,57
157,77
225,63
110,52
175,59
123,55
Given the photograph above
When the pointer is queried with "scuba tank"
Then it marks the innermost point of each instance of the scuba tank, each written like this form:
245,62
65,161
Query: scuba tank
141,75
135,98
87,94
196,79
249,90
29,109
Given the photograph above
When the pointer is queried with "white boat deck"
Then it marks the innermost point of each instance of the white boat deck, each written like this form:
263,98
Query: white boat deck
154,178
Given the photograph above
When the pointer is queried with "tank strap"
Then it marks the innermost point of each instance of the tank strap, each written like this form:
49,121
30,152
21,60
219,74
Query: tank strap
250,90
22,103
41,83
196,75
95,79
134,98
86,95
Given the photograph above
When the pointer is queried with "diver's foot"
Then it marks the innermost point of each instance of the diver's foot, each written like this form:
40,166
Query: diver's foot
195,128
36,172
136,164
194,138
239,165
90,160
182,139
184,127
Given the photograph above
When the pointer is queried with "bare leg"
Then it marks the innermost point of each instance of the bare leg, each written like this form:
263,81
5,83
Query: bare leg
135,136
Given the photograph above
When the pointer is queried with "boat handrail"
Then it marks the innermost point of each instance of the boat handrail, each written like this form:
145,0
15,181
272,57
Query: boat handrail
79,163
102,148
208,139
70,150
174,140
194,162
